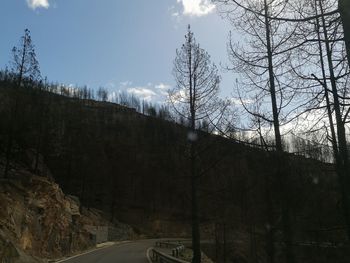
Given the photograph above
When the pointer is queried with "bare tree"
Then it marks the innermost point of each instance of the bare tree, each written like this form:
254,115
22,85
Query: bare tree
194,99
262,62
330,28
334,81
102,94
342,7
25,66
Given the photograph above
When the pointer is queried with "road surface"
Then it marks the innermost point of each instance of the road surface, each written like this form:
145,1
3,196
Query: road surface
133,252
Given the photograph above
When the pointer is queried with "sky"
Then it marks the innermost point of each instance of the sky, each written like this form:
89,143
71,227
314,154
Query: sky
117,44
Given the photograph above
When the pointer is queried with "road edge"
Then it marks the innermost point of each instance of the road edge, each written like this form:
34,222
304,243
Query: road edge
93,250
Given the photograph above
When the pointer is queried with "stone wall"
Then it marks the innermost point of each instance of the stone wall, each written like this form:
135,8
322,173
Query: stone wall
103,234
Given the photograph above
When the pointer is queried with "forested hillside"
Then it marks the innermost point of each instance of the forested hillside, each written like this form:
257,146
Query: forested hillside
135,168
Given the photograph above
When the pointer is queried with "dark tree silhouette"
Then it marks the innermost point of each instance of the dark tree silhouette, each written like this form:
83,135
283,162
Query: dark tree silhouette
102,94
344,10
324,53
262,62
24,66
194,98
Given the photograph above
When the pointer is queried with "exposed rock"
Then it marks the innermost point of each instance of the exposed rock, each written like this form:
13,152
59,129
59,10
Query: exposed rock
73,205
38,220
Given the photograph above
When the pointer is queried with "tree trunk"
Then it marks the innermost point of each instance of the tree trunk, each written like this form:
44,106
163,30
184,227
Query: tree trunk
282,171
325,86
344,10
270,237
195,218
342,162
225,243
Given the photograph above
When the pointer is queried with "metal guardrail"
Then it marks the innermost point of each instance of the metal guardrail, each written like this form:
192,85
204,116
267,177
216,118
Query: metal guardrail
158,256
168,243
176,251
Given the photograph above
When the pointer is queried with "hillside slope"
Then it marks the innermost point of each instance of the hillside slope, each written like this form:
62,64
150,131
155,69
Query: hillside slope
136,169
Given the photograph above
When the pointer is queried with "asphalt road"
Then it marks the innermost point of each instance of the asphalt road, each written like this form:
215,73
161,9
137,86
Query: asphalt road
134,252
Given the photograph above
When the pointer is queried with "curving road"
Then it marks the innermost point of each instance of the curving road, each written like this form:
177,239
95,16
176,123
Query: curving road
134,252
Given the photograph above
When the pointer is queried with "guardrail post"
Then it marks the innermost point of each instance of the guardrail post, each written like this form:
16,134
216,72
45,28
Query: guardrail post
162,257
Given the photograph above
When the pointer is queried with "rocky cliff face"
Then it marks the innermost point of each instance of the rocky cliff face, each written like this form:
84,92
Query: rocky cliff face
37,220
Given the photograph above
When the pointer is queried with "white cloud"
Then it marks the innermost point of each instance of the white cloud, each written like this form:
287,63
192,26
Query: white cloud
150,92
196,7
175,14
162,89
34,4
162,86
237,101
142,93
126,83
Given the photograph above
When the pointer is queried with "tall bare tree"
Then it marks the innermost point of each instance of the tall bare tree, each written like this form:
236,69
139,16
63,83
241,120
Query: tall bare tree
24,66
261,60
327,38
194,99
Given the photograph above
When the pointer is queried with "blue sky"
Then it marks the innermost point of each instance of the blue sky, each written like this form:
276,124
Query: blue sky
118,44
